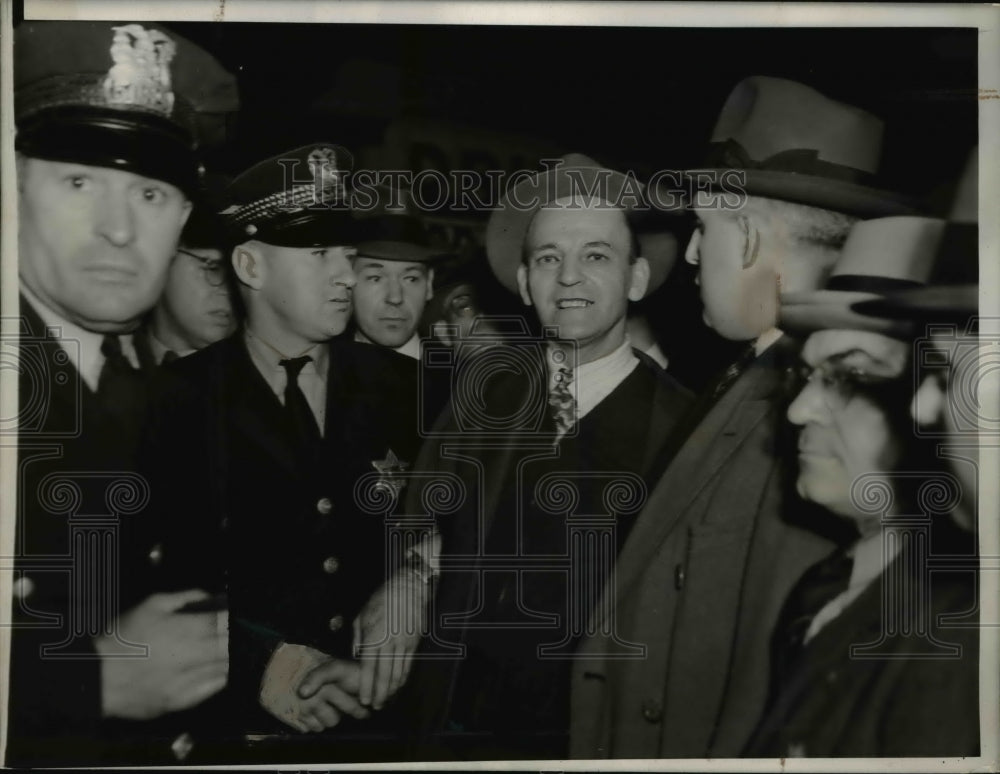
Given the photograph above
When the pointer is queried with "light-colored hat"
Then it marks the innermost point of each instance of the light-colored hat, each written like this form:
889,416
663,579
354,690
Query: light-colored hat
952,293
795,144
880,256
576,175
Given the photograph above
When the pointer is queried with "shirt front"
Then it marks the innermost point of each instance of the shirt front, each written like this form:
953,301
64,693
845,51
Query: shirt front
159,349
312,378
83,347
594,381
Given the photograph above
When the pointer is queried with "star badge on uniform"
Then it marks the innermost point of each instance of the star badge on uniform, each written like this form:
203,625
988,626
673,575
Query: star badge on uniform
389,470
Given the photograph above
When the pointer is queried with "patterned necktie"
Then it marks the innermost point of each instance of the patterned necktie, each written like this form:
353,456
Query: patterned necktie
820,584
562,402
300,417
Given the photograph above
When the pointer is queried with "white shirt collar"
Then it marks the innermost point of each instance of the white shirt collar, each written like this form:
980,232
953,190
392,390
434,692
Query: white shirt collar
765,340
411,348
871,554
594,381
83,347
159,349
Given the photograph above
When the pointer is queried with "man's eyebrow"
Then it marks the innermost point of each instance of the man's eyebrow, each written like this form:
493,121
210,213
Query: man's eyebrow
600,243
841,357
546,246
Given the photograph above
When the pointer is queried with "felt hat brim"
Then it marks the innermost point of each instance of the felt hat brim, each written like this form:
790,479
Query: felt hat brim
944,303
804,313
826,193
391,250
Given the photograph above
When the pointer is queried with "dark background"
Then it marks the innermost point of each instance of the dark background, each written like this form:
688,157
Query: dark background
632,98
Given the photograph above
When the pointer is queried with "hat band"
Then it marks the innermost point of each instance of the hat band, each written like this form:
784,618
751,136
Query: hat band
864,283
730,154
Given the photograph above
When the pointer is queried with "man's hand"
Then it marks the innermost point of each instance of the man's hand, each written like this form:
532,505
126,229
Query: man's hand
309,690
386,634
188,658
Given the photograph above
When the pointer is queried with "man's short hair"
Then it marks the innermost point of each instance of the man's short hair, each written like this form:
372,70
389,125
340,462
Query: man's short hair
805,225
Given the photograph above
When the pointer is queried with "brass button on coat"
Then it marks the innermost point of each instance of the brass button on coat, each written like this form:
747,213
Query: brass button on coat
652,711
330,565
336,623
324,506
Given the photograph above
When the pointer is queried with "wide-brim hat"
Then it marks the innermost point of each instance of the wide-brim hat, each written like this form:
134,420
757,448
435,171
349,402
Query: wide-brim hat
298,198
134,97
573,176
787,141
952,293
880,256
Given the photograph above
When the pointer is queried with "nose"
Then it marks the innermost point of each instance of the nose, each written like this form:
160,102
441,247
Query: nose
569,271
808,406
393,292
691,252
116,219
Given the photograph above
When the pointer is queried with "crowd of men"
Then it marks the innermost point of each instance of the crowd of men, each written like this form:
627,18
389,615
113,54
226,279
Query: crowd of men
286,493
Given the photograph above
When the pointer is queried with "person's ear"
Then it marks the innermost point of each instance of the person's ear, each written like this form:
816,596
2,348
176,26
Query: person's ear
640,279
247,267
522,284
430,285
751,241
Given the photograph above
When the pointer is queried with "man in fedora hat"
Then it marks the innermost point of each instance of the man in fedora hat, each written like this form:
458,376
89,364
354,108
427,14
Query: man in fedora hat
270,432
865,662
577,404
109,125
952,351
710,560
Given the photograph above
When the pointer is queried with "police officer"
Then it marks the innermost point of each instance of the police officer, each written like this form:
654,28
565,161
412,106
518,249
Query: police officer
107,128
267,437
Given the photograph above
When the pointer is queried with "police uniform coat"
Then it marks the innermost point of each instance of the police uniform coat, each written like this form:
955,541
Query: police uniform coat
287,540
499,700
77,494
699,585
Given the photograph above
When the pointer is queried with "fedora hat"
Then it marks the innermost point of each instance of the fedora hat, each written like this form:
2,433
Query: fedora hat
795,144
952,292
574,175
880,256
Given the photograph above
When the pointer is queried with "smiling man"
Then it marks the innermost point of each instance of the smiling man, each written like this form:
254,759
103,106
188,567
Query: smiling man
604,415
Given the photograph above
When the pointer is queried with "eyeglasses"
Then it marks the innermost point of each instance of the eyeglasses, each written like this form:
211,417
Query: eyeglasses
213,268
841,383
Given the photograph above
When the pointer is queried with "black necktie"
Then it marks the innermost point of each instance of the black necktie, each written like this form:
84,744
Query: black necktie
119,387
169,356
820,584
300,417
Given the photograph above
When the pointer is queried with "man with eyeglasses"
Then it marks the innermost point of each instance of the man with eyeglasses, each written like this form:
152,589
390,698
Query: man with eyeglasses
196,307
865,661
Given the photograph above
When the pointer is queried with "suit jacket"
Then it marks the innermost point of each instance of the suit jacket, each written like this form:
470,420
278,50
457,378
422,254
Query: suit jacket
863,689
698,587
292,542
499,698
78,494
